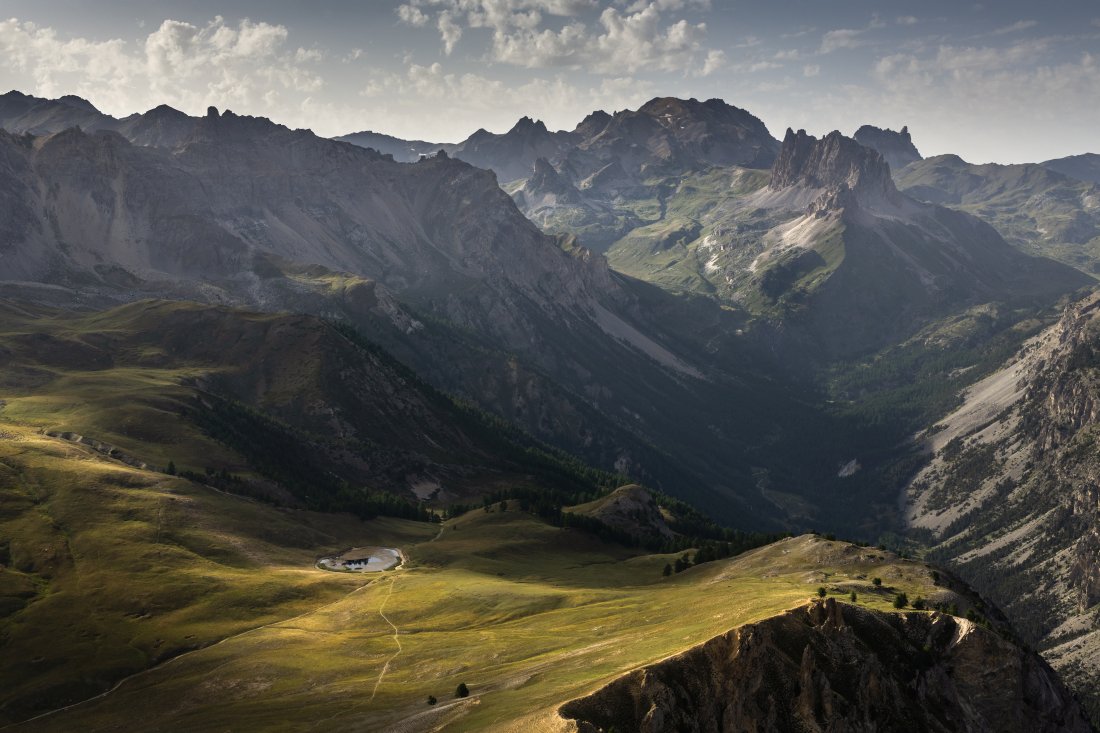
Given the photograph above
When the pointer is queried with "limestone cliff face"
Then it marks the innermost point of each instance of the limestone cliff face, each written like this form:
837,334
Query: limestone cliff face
834,667
1011,497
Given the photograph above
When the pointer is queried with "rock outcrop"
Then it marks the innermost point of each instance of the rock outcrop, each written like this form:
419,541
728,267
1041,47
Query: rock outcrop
834,667
896,147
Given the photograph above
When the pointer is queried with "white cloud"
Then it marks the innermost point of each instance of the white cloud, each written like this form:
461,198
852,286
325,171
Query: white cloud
181,64
668,4
841,38
632,39
906,20
625,42
846,38
1020,25
715,61
763,66
449,31
412,15
810,70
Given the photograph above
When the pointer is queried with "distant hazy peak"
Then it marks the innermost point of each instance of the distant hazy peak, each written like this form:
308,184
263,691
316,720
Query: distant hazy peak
896,147
1084,167
79,102
526,124
164,109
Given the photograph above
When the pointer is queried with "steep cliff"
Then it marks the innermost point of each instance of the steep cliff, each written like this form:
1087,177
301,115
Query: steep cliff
1010,496
834,667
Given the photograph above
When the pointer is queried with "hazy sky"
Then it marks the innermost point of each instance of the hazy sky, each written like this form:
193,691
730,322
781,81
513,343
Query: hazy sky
1002,80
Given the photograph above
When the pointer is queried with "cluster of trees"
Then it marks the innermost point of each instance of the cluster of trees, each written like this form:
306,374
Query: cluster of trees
461,691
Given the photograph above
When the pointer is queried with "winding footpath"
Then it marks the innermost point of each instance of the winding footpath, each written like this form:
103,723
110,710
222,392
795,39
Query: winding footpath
396,639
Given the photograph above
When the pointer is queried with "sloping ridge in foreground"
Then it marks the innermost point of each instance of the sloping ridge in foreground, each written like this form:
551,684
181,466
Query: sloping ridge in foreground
828,666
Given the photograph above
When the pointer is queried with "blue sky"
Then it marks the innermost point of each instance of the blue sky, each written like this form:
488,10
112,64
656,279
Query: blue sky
1003,81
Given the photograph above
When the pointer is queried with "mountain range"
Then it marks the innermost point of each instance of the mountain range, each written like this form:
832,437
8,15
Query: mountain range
228,347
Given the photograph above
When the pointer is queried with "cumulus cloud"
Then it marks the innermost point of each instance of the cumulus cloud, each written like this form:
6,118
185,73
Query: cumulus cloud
637,37
185,65
715,61
412,15
449,31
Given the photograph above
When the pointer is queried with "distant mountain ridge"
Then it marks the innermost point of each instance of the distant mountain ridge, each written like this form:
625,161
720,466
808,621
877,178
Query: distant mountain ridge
1084,167
1038,209
664,133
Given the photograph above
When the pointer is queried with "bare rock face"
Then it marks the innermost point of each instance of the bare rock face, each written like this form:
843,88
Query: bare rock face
830,163
832,667
896,147
546,181
1012,499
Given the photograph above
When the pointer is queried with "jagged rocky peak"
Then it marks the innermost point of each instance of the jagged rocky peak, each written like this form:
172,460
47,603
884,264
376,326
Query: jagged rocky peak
829,666
593,124
526,125
833,163
896,147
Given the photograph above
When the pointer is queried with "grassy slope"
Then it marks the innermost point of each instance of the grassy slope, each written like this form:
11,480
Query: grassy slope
527,615
112,569
1038,211
666,250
